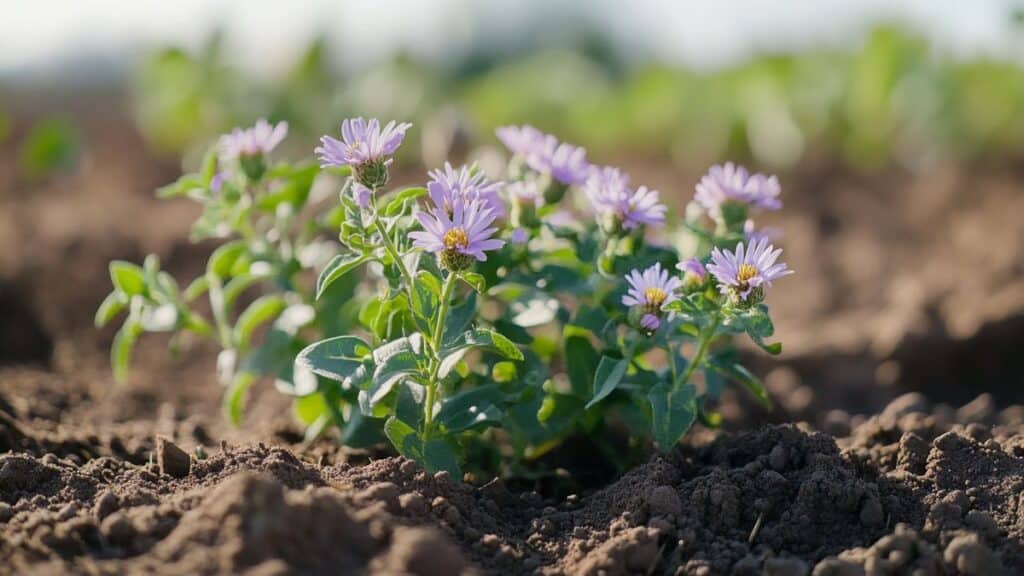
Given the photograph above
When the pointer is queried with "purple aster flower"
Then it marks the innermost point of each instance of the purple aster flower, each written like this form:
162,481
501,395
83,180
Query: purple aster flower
450,185
650,322
650,290
565,162
362,194
545,154
519,236
731,183
254,141
460,237
609,192
693,271
521,140
749,271
361,142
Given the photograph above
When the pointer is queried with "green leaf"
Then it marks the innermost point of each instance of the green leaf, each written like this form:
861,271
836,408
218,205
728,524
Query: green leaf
471,409
439,455
234,398
475,281
396,204
504,371
609,373
263,309
409,403
234,288
340,358
459,318
740,374
581,362
394,361
196,288
128,278
487,339
121,349
111,305
182,187
339,266
758,325
405,440
223,259
426,296
209,167
592,318
308,409
672,413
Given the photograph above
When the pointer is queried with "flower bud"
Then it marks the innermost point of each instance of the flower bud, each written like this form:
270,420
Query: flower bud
454,261
373,174
253,166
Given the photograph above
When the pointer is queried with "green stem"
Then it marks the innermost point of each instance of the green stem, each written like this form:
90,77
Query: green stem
702,348
393,251
435,344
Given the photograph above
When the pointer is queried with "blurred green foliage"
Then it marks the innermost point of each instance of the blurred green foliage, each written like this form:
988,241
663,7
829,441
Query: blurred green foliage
52,145
892,99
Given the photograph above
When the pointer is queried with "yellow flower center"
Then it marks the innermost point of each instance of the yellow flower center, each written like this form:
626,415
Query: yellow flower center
745,273
655,297
456,238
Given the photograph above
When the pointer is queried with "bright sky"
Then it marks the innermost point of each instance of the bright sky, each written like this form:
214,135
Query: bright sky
40,36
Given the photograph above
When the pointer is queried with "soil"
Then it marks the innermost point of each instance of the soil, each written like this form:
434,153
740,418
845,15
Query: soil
897,445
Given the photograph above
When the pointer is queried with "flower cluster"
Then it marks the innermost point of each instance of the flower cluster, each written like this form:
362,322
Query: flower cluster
393,355
542,152
448,186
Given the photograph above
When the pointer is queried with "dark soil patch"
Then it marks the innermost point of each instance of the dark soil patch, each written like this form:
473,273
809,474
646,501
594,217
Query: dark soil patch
908,490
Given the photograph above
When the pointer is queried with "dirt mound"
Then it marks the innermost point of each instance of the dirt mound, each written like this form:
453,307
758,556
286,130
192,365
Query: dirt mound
916,489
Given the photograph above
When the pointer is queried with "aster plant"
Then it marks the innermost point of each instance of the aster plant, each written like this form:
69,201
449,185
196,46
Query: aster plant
479,319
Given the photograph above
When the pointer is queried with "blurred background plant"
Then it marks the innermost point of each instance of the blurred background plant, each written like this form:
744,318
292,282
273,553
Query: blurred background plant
890,100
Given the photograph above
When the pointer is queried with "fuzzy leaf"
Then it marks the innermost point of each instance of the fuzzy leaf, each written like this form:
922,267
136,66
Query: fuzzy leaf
476,281
405,440
339,266
396,204
487,339
340,358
